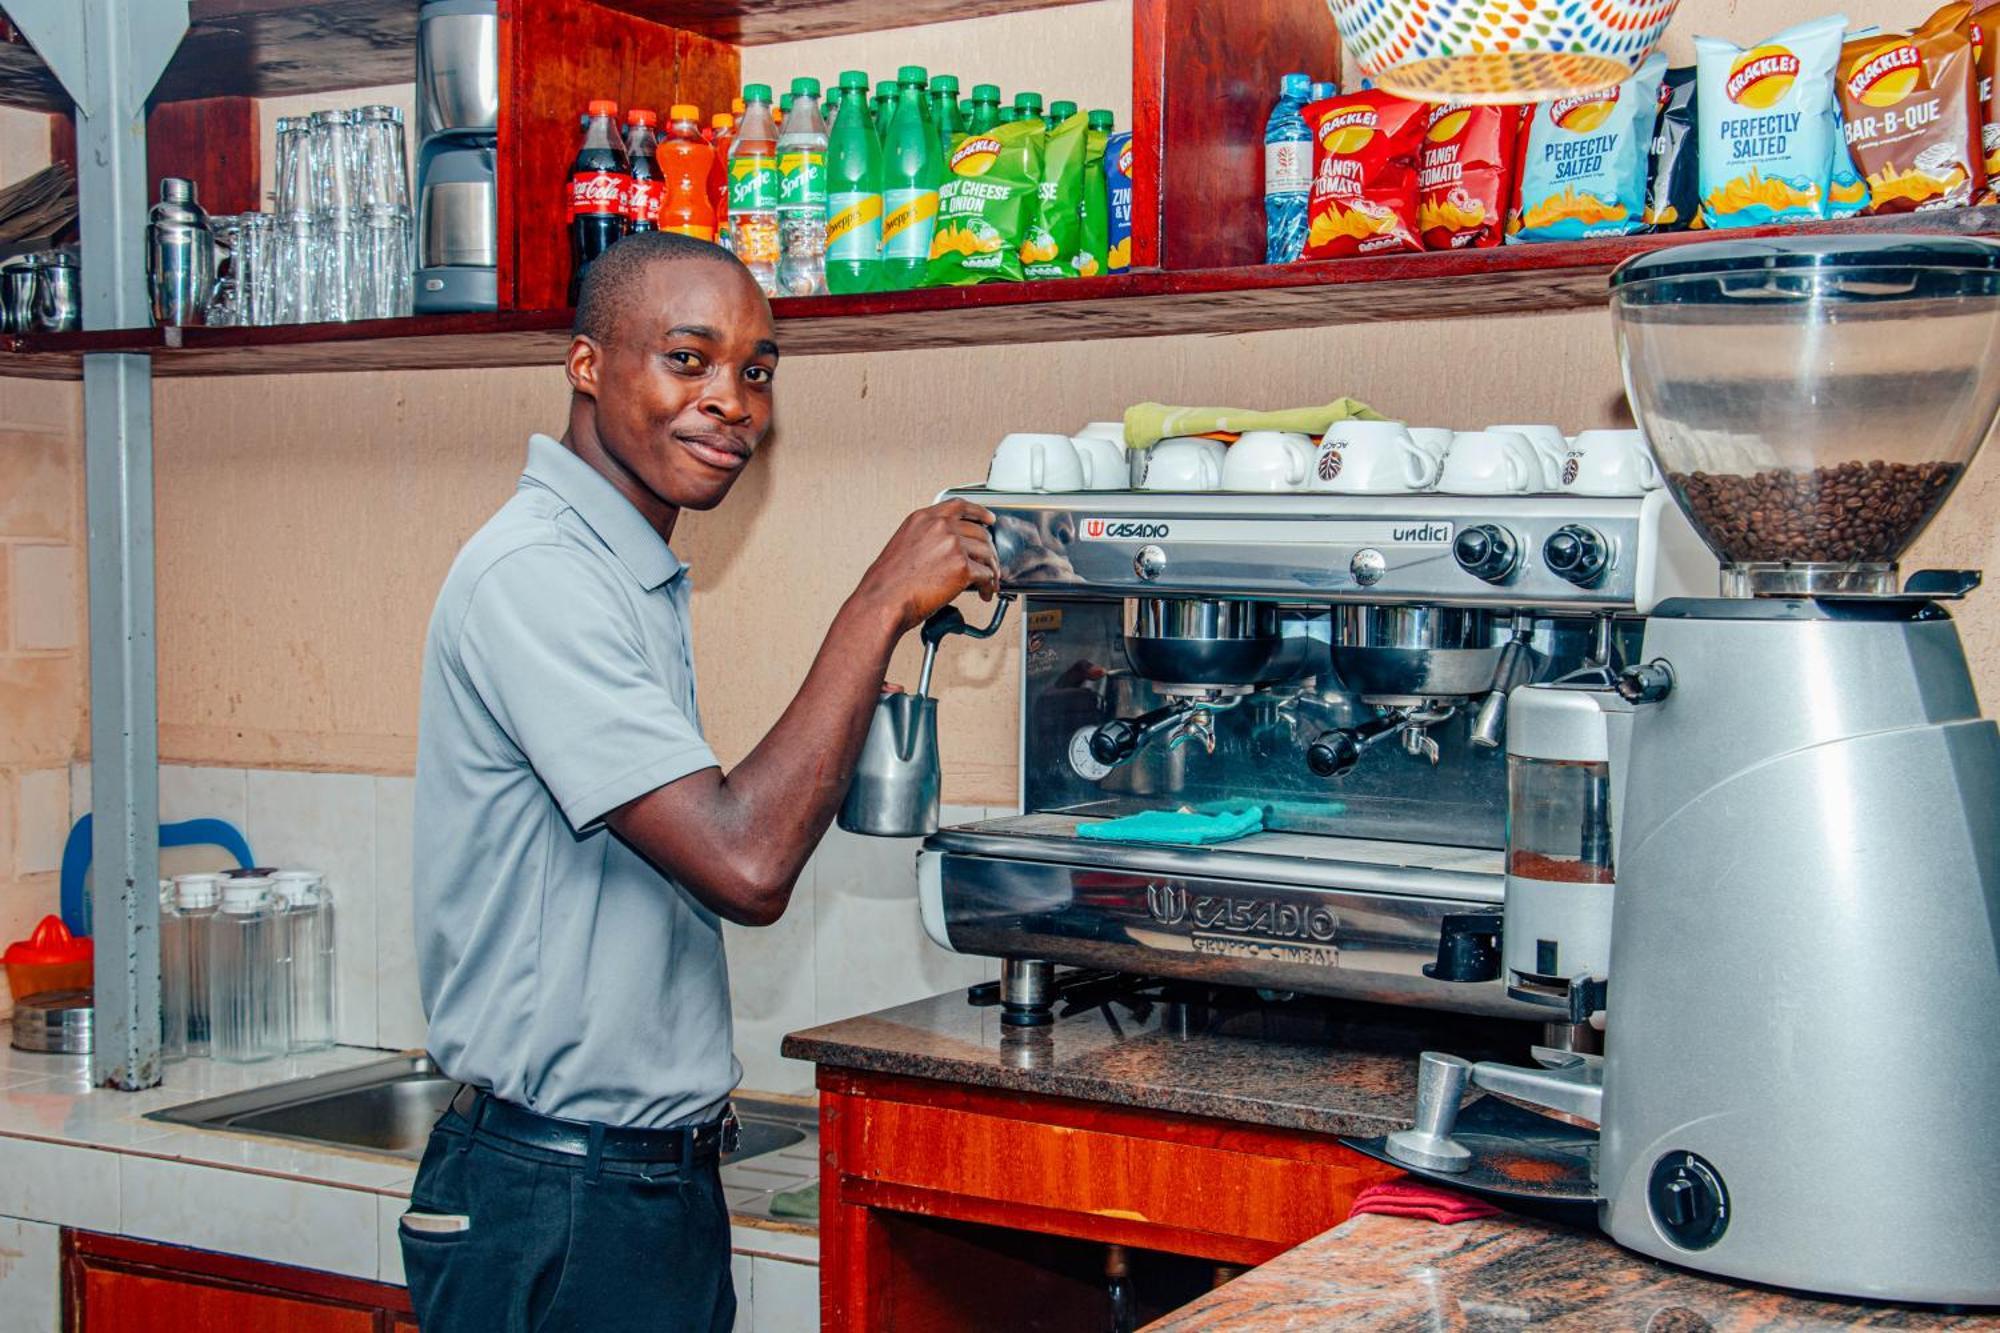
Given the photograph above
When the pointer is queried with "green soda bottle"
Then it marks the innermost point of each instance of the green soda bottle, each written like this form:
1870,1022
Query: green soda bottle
1007,115
911,165
854,183
985,108
884,108
1059,112
944,109
1027,106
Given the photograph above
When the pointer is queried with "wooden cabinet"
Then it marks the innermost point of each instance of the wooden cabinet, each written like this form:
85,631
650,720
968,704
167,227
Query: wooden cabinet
906,1162
115,1285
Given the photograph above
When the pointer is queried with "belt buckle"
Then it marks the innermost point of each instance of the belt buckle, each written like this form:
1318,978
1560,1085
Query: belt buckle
732,1130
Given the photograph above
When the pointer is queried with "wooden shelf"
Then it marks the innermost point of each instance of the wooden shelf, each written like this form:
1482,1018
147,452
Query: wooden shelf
760,22
1507,280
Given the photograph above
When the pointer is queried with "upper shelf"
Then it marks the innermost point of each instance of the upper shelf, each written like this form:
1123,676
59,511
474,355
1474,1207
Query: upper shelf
1506,280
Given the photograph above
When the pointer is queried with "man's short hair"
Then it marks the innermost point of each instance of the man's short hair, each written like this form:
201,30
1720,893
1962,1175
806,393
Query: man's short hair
612,282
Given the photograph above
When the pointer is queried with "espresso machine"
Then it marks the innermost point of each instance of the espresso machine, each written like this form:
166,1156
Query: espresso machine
1763,857
1342,661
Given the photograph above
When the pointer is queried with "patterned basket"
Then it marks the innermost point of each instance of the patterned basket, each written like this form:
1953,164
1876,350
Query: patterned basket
1499,50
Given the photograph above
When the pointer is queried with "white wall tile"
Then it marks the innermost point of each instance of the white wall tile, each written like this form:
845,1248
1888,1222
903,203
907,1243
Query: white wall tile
326,822
787,1296
399,1017
30,1276
44,597
871,950
53,1182
205,793
771,990
262,1217
41,820
746,1305
79,789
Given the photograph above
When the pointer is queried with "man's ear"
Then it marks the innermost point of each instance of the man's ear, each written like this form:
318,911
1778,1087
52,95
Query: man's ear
584,361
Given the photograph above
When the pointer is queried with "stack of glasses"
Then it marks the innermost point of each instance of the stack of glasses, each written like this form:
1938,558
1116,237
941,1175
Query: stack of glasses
339,244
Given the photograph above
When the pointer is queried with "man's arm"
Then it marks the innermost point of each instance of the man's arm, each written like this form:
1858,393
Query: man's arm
738,841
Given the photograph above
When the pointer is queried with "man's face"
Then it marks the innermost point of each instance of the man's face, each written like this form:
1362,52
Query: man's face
683,388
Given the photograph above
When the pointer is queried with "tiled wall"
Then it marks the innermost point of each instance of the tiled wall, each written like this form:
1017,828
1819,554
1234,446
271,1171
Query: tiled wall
850,943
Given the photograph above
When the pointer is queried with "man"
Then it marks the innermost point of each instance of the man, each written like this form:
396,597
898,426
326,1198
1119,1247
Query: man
577,844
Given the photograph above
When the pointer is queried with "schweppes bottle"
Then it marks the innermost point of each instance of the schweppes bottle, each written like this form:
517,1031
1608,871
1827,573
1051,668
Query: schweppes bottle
854,192
911,169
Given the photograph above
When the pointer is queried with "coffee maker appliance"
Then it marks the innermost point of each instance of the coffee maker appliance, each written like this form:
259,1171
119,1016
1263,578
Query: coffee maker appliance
1783,809
458,119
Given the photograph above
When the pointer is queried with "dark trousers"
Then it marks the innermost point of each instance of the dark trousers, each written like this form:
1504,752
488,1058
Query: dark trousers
555,1241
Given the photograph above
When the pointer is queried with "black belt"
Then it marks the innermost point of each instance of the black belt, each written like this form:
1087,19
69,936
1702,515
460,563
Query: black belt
487,1114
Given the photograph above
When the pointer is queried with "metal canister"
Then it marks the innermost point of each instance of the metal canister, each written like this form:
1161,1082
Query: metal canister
58,294
180,255
17,295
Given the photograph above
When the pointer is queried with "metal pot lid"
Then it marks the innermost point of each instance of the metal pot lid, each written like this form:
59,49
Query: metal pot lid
1774,253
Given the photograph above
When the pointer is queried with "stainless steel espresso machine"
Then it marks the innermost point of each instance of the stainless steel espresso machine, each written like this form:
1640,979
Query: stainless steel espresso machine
1342,661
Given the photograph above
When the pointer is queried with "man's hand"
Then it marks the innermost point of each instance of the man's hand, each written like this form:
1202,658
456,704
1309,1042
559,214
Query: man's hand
935,555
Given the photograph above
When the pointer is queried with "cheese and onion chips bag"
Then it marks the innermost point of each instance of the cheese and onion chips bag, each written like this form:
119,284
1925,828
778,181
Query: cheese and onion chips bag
1911,109
987,205
1583,172
1049,249
1465,174
1364,190
1769,125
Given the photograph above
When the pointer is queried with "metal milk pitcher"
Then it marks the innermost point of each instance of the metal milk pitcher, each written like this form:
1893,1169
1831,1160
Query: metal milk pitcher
895,789
181,255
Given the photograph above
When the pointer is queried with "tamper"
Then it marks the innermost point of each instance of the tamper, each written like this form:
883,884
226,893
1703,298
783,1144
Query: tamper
1441,1081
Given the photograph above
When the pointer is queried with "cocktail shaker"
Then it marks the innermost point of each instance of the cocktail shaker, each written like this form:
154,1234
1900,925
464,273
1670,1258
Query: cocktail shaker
181,255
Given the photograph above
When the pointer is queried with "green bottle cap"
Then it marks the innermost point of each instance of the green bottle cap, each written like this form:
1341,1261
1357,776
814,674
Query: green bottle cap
805,87
912,74
784,101
1008,115
886,88
1028,102
946,83
756,92
1060,110
1101,120
986,92
965,105
854,78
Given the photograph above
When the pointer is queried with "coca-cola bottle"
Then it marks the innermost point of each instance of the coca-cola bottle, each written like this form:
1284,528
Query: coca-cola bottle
642,196
598,182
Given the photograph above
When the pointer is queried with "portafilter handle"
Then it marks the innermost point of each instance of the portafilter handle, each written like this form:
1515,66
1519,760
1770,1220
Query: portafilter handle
1489,723
1441,1082
945,621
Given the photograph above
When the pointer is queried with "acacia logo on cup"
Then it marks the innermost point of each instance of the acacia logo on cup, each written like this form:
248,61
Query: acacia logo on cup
1571,466
1329,464
1760,78
1345,130
1586,113
1887,76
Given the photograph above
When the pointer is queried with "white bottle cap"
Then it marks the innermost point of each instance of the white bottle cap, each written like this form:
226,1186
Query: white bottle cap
166,893
246,894
299,888
197,890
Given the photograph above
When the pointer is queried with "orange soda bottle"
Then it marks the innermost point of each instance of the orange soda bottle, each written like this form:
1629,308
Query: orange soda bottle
686,164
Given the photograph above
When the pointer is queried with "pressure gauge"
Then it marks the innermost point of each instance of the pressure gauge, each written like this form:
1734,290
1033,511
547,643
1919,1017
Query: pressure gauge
1082,760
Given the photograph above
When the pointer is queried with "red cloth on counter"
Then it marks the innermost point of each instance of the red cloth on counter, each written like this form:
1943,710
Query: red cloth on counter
1408,1197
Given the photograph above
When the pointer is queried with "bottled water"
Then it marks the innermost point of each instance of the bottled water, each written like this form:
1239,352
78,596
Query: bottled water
247,1004
307,918
1288,159
195,898
802,194
173,977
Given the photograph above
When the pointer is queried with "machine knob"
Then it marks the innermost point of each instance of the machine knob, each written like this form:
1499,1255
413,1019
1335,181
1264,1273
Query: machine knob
1576,553
1689,1202
1150,563
1334,753
1368,567
1114,742
1487,551
1648,683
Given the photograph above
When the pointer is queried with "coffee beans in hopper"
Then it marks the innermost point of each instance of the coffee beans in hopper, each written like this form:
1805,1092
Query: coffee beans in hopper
1853,512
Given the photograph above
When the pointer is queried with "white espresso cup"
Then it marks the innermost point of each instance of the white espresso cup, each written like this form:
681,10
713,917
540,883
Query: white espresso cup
1026,462
1268,460
1551,448
1113,431
1183,464
1104,465
1433,440
1490,462
1609,462
1372,458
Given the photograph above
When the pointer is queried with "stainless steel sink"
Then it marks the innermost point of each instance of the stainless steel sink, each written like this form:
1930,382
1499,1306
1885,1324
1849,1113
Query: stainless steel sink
390,1105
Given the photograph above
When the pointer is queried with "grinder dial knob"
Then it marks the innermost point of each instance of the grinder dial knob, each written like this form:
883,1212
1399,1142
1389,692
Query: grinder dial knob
1487,551
1576,553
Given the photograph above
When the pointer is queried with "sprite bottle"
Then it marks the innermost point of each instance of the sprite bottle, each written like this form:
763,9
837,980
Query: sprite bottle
911,166
854,200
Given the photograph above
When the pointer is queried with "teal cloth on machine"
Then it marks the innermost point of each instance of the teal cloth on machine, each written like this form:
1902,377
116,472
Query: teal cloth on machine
1184,827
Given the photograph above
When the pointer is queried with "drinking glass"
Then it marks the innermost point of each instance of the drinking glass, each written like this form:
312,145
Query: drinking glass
225,304
294,268
385,266
293,188
250,267
337,293
385,178
335,140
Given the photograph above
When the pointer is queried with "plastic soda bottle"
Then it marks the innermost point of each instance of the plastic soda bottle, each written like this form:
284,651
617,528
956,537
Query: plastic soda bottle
911,165
1059,112
885,108
753,189
1027,106
802,196
722,132
1288,162
1006,115
854,198
944,110
687,164
599,179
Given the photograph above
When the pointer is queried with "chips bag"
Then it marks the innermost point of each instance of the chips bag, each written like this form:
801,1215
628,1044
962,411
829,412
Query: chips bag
1985,29
1094,242
987,206
1846,189
1911,106
1583,172
1049,250
1465,175
1364,190
1118,188
1673,187
1769,120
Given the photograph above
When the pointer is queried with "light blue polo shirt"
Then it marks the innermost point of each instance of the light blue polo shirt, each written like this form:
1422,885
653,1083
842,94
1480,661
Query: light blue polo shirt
560,969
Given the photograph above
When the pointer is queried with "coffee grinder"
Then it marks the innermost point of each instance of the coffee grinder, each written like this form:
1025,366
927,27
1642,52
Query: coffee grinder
1803,877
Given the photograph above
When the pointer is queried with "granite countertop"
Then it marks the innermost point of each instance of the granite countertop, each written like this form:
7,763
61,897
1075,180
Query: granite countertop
1388,1273
1310,1065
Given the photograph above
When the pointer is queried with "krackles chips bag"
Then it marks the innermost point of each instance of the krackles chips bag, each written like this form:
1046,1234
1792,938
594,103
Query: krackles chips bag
1769,120
1049,251
987,205
1985,28
1118,188
1465,175
1584,170
1911,107
1364,190
1673,190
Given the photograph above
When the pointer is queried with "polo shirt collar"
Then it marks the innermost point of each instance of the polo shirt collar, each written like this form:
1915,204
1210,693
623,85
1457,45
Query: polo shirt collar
610,515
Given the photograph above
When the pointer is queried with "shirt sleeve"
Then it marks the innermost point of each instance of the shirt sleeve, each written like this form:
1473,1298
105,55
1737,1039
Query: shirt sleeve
553,648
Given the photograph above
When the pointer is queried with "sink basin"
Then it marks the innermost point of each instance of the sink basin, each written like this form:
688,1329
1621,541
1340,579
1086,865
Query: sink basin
390,1105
